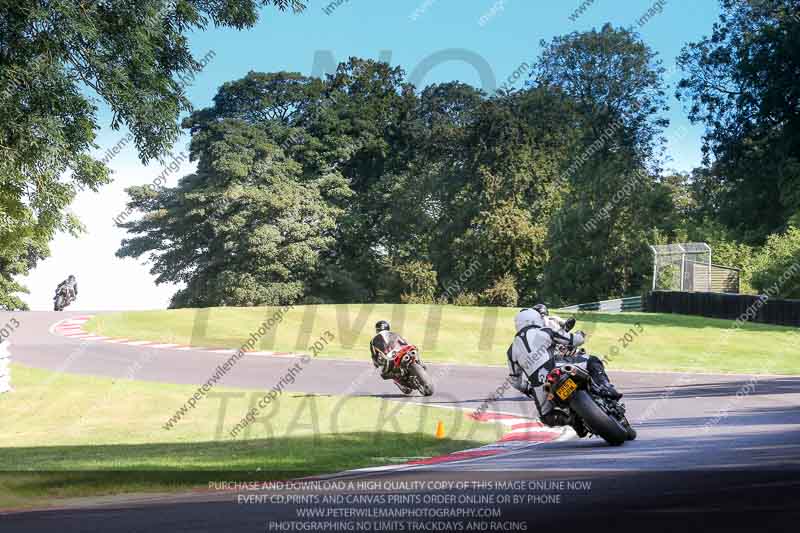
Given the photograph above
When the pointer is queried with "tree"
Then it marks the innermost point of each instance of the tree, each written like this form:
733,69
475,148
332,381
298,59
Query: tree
615,78
419,281
281,102
363,131
501,293
413,191
741,82
597,238
419,213
349,128
508,190
244,230
57,58
777,266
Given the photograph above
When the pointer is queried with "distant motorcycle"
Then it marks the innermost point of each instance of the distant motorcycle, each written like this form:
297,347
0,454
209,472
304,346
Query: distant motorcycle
410,372
62,298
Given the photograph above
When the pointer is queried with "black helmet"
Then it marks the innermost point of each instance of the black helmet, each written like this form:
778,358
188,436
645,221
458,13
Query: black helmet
71,277
381,325
541,308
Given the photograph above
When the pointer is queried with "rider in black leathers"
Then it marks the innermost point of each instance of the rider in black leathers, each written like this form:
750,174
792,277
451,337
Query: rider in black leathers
381,344
71,285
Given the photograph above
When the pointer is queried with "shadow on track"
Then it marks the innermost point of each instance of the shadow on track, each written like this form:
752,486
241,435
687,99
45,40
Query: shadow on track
756,386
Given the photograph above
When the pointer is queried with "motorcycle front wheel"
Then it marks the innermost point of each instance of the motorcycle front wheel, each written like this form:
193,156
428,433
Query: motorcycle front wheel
597,420
424,381
59,305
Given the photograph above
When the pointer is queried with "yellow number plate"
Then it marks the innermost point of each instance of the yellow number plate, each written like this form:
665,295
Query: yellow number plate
566,389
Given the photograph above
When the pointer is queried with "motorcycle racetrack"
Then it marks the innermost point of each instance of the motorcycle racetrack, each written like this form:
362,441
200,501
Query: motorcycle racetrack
717,450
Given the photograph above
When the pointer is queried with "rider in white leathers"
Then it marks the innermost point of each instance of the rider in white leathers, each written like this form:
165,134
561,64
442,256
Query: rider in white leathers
531,357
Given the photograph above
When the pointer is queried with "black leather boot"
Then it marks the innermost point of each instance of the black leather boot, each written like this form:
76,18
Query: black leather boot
598,373
579,427
556,418
606,388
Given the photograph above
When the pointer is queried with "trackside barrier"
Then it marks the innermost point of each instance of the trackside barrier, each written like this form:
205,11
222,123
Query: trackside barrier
728,306
5,369
617,305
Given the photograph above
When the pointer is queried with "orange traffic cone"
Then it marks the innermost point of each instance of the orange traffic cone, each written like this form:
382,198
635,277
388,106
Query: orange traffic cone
439,430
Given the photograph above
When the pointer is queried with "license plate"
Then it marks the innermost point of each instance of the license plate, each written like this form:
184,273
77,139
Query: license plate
566,389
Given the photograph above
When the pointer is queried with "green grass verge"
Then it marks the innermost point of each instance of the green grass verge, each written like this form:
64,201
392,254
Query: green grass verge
73,436
474,335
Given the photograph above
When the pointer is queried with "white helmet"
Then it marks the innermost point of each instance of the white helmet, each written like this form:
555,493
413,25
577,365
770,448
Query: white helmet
542,309
528,317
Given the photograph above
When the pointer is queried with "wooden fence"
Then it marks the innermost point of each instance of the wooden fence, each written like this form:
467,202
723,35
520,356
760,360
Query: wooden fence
723,278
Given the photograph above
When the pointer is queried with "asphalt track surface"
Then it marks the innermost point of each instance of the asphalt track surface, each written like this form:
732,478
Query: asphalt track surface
717,452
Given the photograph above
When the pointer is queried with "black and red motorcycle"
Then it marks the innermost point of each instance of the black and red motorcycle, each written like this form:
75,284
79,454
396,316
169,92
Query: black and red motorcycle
409,372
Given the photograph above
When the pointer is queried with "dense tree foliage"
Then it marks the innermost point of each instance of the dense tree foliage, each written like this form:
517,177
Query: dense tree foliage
407,189
742,83
777,268
246,229
57,59
613,204
362,187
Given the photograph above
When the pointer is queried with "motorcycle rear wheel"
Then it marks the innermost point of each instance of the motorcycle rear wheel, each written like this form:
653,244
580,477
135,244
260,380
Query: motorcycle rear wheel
629,429
424,381
600,423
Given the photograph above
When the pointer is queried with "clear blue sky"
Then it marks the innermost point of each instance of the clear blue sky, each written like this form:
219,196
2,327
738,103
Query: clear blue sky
509,35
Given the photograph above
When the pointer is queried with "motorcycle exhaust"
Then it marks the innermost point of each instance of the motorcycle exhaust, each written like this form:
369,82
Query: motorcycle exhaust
571,370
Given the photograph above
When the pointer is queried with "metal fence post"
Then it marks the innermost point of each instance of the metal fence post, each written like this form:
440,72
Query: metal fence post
655,265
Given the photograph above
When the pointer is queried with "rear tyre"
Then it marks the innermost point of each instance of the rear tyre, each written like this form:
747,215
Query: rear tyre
424,381
631,432
597,420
